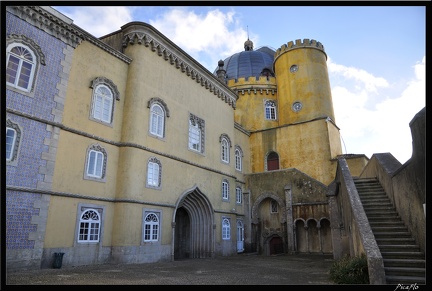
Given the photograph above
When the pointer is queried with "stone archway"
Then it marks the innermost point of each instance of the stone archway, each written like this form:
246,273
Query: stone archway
193,226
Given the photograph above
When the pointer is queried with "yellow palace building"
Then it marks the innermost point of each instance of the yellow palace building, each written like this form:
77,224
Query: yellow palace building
125,149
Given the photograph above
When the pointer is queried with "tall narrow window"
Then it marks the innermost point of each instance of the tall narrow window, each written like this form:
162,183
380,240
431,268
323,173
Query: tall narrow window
13,137
151,227
102,103
154,173
272,161
96,163
225,147
225,190
10,143
238,158
196,134
89,226
238,195
20,67
270,110
226,229
104,94
157,118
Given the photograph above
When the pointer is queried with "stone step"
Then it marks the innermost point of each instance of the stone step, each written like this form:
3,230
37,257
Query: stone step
403,255
399,248
405,271
389,228
419,263
387,234
395,240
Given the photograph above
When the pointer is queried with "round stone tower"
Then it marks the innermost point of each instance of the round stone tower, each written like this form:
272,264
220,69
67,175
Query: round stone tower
285,103
303,82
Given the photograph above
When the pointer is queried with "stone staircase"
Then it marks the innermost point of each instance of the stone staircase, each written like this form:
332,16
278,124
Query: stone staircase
404,262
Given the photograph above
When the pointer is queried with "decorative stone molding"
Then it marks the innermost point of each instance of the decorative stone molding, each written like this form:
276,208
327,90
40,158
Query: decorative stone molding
187,67
107,82
160,102
42,19
66,31
13,38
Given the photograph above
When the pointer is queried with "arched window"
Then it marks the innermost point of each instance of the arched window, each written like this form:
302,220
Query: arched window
225,190
154,168
102,103
20,66
151,227
270,110
157,119
104,94
196,133
225,147
13,137
238,158
10,142
89,226
238,195
226,229
96,163
272,161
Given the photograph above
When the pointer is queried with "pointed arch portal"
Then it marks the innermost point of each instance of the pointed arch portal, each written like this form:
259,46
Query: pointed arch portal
193,226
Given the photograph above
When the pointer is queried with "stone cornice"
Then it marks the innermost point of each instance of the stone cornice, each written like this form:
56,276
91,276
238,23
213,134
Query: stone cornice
144,34
58,27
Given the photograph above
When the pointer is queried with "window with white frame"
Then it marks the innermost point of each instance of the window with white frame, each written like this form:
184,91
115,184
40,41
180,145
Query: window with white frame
226,229
157,118
21,65
96,163
154,170
270,110
10,142
89,226
238,195
158,114
196,133
238,158
225,190
225,148
102,103
151,227
104,94
13,136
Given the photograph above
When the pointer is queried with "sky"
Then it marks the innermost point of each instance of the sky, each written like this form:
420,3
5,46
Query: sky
376,55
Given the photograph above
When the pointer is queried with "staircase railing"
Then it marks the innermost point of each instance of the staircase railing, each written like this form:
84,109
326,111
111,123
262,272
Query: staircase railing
348,209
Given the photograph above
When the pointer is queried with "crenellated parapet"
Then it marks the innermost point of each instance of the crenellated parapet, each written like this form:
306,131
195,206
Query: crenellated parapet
306,43
253,85
180,60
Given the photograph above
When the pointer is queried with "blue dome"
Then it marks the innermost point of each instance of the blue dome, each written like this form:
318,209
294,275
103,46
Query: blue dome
249,63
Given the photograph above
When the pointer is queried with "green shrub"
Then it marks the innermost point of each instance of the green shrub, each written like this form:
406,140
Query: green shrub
350,270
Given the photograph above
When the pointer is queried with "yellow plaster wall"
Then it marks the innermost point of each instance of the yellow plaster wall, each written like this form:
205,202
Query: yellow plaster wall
303,146
309,85
61,225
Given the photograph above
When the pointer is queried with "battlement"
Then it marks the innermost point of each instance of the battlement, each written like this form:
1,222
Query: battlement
307,43
261,80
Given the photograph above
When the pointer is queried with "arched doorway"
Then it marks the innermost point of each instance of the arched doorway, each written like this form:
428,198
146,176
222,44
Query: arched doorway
193,233
276,245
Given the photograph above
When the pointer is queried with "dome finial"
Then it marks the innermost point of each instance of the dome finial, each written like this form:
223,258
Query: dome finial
248,45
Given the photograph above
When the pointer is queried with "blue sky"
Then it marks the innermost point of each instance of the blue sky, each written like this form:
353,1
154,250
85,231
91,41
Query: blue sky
376,55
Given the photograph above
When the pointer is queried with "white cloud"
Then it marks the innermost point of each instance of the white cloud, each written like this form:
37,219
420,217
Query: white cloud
384,128
100,20
206,37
